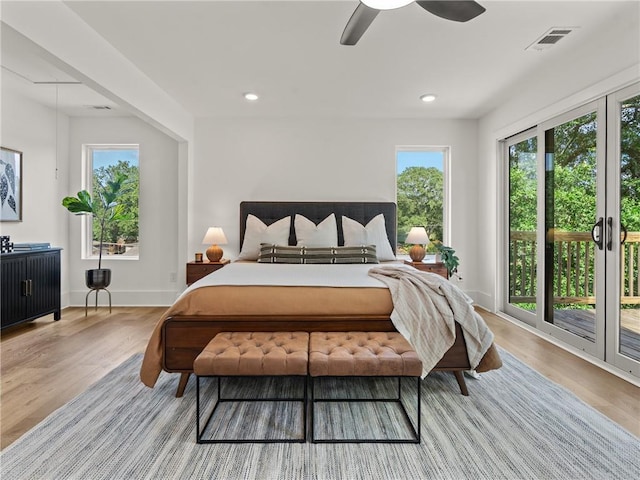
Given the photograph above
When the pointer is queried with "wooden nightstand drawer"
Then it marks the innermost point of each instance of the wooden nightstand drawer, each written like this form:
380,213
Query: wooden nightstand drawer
437,267
197,270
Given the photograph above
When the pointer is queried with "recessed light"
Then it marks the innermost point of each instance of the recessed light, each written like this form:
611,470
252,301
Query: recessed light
427,97
252,97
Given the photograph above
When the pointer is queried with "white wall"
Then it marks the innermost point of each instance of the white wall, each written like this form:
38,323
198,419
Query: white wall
608,62
303,159
72,46
102,67
134,282
31,128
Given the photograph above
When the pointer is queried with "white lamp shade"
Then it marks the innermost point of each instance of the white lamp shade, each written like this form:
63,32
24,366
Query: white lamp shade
214,236
386,4
417,236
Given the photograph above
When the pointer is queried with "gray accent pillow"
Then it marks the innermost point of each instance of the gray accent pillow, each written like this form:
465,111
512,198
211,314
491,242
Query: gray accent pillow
270,253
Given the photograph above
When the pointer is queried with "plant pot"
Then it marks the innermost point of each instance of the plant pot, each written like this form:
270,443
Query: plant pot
97,278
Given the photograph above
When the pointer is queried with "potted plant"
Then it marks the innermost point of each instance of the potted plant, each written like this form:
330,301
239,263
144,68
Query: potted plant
448,257
107,210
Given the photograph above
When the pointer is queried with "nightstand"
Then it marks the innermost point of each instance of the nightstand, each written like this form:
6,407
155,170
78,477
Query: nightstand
437,267
197,270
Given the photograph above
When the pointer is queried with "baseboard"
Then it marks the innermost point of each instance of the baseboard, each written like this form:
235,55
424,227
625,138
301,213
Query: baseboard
125,298
481,299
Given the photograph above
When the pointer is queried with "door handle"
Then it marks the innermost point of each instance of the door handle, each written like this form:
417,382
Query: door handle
598,241
624,231
609,233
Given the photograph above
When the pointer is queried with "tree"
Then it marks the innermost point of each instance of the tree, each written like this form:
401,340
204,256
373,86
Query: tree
420,200
126,227
630,164
523,184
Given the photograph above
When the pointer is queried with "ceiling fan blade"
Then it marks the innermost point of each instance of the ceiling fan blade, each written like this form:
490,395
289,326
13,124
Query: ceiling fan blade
458,11
358,24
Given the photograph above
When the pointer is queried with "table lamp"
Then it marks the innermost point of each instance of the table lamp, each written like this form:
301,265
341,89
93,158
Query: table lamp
214,237
418,236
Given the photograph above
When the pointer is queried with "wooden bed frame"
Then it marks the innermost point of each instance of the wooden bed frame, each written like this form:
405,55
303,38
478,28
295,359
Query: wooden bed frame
184,337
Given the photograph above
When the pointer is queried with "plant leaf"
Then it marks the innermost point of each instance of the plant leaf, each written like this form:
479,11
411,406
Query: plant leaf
80,204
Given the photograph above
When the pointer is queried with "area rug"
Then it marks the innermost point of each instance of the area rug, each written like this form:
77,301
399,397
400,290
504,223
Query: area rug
516,424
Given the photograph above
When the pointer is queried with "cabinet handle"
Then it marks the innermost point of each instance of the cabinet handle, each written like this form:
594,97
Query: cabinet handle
30,287
24,284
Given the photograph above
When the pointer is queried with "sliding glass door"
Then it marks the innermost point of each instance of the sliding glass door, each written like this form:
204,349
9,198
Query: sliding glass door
572,236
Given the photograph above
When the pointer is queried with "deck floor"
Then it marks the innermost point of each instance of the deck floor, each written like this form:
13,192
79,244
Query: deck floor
583,324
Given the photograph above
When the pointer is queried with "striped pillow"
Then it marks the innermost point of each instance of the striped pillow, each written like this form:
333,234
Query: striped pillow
285,254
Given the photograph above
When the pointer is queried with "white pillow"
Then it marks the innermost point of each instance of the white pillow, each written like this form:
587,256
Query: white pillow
308,234
256,232
374,233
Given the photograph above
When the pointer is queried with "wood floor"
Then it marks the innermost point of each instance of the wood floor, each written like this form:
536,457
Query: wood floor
44,364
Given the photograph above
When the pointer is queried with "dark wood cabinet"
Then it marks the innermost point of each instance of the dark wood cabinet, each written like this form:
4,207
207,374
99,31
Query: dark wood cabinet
437,267
197,270
30,285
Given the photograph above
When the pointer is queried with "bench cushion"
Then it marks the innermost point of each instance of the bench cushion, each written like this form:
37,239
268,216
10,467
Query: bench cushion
254,353
362,354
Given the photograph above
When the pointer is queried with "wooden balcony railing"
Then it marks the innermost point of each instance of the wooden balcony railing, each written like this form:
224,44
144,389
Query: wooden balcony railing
115,248
574,268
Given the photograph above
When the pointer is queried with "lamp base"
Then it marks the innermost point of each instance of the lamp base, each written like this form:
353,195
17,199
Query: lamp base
214,253
417,253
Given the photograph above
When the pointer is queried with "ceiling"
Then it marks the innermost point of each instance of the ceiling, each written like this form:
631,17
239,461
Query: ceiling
206,54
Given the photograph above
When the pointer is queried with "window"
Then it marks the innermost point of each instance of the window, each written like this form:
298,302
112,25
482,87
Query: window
103,163
420,192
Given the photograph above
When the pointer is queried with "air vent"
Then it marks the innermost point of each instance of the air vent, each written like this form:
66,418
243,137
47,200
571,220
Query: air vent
100,107
550,38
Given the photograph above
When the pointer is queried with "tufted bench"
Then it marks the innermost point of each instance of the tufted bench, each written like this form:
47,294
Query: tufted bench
364,354
252,354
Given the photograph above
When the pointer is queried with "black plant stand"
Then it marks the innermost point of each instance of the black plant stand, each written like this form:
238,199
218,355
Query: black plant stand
96,280
86,299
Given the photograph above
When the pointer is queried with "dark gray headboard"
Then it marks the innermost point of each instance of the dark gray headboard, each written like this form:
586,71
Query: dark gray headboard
362,212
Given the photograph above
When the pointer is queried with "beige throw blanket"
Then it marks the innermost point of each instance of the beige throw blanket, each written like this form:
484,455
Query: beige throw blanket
425,309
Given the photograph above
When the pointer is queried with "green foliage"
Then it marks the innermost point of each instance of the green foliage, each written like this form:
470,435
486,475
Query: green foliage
125,226
630,164
420,200
522,186
448,255
80,204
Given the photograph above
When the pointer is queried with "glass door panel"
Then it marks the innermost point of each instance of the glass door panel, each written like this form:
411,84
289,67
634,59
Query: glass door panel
522,151
623,237
571,203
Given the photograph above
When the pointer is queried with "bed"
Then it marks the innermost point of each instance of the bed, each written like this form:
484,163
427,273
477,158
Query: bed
205,310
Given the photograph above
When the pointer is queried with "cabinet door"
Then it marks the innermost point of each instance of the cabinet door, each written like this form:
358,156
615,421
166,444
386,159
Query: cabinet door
43,271
12,299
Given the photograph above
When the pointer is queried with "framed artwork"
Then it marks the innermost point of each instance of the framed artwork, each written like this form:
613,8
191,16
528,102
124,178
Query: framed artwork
10,185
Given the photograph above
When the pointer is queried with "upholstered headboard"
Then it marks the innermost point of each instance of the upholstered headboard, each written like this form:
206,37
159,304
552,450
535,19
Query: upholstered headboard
362,212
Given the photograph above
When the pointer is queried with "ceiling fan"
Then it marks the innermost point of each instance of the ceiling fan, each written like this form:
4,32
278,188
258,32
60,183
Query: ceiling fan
367,10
